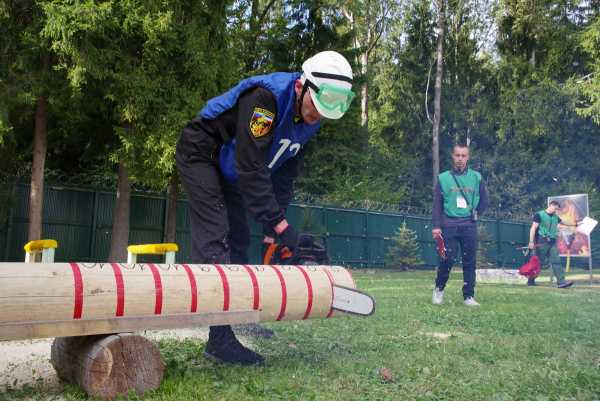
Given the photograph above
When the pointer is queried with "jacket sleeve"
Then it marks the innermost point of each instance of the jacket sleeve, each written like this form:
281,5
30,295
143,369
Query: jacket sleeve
251,152
436,209
483,198
283,180
283,185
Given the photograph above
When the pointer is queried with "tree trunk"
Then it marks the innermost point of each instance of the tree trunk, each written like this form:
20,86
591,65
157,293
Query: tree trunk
364,67
120,230
364,93
437,101
36,193
107,366
255,26
252,36
171,231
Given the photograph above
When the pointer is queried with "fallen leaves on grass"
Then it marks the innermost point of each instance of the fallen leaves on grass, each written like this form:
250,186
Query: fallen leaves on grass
386,375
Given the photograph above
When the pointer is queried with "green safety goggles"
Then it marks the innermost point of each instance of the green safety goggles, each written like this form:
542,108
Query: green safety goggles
332,97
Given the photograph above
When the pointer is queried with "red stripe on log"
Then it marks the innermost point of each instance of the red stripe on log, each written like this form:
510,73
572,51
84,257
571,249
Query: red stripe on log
283,293
255,289
157,289
225,287
193,288
310,291
120,289
330,277
78,287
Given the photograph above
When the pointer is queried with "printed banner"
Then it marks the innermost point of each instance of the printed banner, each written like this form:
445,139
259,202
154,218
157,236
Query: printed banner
573,209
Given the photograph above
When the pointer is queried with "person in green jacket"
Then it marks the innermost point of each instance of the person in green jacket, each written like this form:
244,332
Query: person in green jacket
542,241
460,196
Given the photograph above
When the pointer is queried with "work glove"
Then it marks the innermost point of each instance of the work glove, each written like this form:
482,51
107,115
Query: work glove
289,238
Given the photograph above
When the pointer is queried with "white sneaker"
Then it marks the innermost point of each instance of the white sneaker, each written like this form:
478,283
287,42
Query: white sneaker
438,296
471,302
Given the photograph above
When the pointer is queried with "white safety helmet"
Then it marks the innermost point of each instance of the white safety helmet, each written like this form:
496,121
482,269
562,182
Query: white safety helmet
328,77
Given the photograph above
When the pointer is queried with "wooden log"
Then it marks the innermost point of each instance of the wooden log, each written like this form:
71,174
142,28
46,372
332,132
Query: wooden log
44,292
108,366
62,328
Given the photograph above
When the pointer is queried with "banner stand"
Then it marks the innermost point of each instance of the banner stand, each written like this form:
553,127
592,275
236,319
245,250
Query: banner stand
590,265
575,208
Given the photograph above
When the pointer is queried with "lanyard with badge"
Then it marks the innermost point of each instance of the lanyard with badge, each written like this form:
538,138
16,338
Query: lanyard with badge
462,202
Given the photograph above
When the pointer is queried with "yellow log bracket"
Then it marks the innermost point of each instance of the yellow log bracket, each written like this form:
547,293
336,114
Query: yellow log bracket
41,250
167,249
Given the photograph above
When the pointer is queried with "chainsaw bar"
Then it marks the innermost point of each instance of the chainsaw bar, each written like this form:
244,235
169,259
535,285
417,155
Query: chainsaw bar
350,300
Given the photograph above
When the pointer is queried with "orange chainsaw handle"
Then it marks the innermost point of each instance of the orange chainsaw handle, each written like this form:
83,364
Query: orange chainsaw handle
285,253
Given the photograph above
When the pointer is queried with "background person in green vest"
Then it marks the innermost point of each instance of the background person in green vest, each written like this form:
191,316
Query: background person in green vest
542,240
459,198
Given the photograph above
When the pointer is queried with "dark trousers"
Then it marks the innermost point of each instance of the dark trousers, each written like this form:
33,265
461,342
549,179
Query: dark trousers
218,225
465,238
548,253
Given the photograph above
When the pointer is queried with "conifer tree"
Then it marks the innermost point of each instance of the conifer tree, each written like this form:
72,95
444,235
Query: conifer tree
404,252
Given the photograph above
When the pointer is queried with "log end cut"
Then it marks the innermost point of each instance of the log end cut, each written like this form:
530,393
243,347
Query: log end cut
108,366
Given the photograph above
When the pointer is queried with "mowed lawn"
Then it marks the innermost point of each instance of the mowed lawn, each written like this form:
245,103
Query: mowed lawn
523,343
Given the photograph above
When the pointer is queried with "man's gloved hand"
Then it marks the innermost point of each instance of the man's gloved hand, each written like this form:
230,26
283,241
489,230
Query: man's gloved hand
289,238
269,232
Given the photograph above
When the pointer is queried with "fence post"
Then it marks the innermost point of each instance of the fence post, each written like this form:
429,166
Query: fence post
324,211
93,228
366,239
7,238
498,242
9,224
5,228
165,216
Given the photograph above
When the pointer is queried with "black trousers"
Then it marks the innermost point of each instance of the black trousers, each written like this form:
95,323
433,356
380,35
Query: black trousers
218,224
465,238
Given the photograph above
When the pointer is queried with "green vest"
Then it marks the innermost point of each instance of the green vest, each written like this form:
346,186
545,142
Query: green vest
548,224
469,182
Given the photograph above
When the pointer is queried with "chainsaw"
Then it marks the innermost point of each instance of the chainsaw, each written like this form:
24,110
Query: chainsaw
441,247
312,250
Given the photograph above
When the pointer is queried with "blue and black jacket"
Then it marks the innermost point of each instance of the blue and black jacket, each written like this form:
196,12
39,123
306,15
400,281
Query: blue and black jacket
263,162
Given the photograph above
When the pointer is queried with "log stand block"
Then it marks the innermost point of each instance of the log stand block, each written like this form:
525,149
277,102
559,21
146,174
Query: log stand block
107,366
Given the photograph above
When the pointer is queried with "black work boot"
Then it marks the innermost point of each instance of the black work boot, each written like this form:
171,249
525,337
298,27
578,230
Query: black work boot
565,284
222,346
531,281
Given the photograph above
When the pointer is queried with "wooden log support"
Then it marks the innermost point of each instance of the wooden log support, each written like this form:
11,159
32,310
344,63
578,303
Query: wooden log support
107,366
41,250
167,249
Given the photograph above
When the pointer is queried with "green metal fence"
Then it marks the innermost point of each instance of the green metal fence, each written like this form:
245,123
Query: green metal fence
81,220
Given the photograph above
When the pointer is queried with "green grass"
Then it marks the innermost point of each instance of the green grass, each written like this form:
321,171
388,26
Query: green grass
522,344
